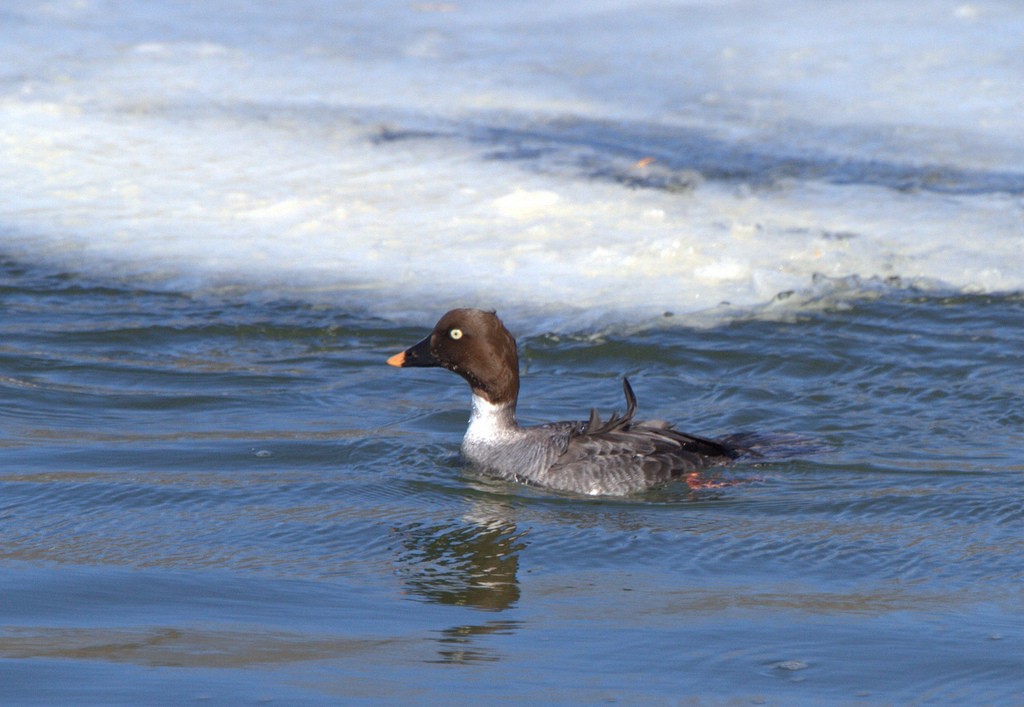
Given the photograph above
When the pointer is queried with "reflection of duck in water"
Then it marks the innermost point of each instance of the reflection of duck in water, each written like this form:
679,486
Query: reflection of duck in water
612,457
473,564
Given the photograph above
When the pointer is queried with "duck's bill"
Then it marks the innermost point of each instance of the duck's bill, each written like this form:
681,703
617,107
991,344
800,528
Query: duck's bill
417,356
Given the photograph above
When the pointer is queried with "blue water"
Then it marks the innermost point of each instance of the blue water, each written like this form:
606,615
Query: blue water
207,498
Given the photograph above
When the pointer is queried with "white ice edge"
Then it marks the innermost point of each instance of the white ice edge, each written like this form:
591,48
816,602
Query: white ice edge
424,156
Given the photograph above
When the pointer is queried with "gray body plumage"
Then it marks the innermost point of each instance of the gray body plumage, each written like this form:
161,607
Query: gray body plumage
617,456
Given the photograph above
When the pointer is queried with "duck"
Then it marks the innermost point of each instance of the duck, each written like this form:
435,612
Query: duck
616,456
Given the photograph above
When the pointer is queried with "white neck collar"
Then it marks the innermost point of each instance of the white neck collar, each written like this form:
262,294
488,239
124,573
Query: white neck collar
490,421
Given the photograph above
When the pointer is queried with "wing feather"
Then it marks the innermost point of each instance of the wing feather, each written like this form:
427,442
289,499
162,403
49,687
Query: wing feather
634,455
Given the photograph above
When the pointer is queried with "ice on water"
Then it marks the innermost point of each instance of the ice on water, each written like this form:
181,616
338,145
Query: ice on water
590,161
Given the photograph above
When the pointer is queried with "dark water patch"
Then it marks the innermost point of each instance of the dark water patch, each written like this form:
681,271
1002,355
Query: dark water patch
677,158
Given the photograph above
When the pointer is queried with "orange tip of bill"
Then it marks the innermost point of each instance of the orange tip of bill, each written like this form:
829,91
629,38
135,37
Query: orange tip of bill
397,360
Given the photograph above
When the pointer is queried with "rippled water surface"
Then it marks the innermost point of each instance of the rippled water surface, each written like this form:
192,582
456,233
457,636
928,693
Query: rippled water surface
212,496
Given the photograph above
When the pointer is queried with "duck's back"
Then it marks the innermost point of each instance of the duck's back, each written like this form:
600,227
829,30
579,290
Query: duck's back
612,457
630,458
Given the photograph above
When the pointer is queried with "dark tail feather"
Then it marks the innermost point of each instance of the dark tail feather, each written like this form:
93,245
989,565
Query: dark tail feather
630,399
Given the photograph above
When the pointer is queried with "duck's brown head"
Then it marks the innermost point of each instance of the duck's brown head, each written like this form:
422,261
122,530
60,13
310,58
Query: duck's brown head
476,345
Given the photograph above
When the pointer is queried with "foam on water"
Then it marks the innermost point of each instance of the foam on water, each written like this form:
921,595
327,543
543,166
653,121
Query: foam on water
589,162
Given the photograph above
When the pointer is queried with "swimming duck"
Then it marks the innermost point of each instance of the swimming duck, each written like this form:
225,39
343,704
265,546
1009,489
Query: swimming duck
617,456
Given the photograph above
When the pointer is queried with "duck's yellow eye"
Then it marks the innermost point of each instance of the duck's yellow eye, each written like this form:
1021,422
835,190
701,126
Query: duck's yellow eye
455,334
